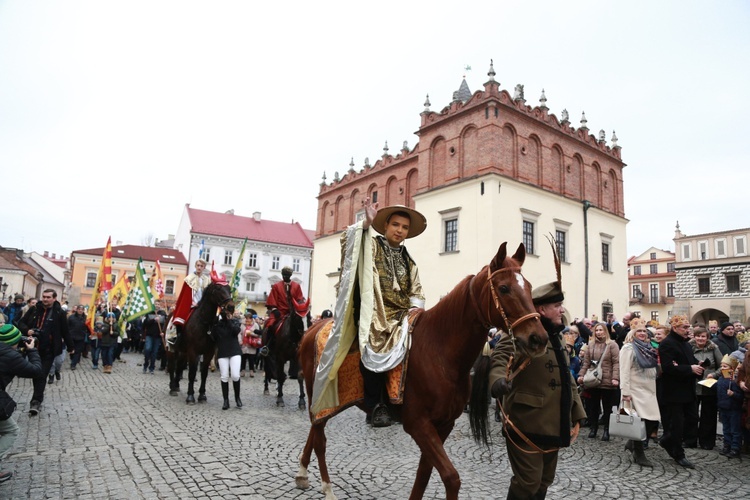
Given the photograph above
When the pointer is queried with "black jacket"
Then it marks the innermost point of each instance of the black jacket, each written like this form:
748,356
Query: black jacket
226,333
13,364
678,379
77,327
54,328
727,345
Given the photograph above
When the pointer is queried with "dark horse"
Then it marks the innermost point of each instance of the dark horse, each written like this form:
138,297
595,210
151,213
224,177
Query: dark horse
193,341
446,341
282,348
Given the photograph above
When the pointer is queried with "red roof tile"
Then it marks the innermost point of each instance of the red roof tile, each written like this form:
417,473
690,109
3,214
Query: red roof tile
236,226
151,254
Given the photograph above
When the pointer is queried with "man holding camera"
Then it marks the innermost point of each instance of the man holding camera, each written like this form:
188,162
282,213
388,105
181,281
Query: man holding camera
49,324
14,364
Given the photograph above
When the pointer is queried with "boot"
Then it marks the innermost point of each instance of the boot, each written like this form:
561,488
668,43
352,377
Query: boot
225,393
725,450
605,435
734,454
237,399
638,456
629,445
594,429
51,379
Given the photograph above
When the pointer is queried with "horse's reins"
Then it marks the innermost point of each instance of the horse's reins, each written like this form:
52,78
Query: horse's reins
510,375
498,304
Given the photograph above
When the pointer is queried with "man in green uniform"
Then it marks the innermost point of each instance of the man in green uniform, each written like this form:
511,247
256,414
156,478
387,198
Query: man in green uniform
541,401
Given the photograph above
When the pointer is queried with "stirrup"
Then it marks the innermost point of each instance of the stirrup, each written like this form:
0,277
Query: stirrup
381,416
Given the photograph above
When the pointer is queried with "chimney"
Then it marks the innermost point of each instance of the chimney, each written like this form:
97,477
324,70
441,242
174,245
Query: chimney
46,253
256,216
53,256
170,236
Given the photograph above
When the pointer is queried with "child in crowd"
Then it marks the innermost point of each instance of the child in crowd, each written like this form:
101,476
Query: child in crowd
730,398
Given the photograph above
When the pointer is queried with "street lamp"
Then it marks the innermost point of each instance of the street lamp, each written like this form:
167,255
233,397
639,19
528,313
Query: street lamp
4,287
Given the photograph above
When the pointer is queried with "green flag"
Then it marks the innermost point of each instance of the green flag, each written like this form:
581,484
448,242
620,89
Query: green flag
237,268
140,300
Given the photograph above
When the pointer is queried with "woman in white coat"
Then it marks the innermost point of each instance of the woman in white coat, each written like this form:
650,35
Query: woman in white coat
638,362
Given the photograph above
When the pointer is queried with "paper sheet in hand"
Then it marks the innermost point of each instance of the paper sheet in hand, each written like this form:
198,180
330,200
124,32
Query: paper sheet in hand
709,382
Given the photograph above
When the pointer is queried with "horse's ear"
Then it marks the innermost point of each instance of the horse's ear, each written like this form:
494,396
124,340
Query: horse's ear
520,254
497,262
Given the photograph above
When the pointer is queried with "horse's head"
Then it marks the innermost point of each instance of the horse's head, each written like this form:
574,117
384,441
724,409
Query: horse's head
509,301
217,294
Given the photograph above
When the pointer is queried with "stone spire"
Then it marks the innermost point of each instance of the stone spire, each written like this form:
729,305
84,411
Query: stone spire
323,183
564,117
385,149
351,166
427,104
584,121
614,140
491,73
677,232
463,94
602,137
543,100
336,176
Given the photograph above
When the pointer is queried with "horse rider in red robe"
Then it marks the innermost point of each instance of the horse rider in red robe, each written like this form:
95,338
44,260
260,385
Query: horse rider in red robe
285,294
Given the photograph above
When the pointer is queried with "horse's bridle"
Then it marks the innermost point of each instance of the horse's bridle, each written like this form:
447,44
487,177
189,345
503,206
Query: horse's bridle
498,304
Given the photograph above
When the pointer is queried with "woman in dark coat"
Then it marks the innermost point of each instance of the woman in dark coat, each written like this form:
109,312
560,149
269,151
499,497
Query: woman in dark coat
226,332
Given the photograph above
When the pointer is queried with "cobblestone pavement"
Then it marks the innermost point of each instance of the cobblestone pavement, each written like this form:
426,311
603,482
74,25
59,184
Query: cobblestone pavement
122,436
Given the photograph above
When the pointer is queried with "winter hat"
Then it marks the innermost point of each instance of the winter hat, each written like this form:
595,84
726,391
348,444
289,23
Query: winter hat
10,335
678,319
637,324
729,360
726,324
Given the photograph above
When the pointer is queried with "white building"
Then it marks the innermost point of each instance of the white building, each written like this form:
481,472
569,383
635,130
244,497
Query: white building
271,246
713,276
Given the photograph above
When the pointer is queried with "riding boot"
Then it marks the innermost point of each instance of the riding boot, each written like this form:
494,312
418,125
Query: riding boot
225,393
237,399
639,456
594,429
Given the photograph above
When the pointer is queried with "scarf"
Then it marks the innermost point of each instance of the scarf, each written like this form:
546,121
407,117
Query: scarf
645,355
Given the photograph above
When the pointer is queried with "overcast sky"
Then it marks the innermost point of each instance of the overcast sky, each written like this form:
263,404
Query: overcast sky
114,115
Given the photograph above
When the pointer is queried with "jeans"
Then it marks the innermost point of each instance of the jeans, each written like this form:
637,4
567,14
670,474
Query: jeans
79,346
8,435
149,352
57,364
730,421
108,354
95,349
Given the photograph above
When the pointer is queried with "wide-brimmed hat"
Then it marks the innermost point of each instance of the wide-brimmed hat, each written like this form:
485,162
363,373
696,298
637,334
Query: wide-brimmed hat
417,225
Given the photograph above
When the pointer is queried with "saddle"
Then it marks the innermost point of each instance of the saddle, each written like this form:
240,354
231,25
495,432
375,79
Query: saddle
351,386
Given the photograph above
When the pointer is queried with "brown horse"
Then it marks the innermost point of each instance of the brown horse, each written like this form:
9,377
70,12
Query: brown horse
446,341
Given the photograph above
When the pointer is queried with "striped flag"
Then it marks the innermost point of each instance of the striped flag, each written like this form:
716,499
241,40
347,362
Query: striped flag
103,283
157,282
237,268
140,300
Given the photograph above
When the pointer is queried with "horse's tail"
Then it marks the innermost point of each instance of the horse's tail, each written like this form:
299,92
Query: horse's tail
480,400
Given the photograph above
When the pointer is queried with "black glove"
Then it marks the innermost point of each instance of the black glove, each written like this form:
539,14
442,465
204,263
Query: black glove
501,387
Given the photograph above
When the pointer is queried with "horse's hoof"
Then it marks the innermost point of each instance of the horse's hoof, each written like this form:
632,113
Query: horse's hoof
301,404
202,398
280,402
190,400
302,483
172,392
266,392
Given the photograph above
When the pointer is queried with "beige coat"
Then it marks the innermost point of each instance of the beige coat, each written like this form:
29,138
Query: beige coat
639,384
610,362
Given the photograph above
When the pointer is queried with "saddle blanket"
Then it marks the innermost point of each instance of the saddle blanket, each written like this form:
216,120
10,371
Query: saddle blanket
350,383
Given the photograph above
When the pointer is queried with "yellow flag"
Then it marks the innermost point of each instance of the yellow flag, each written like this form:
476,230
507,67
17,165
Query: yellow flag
119,292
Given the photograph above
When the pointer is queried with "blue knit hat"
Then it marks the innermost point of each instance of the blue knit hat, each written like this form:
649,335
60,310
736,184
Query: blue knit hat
9,334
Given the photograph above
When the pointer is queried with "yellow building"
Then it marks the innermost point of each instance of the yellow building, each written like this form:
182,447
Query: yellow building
85,266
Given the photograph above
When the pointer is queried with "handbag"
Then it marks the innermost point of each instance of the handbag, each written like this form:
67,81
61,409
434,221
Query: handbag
7,405
627,425
256,342
593,378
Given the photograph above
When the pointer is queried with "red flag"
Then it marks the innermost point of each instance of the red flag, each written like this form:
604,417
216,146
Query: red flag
107,267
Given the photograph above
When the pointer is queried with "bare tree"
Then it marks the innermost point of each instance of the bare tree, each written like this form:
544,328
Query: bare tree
148,240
